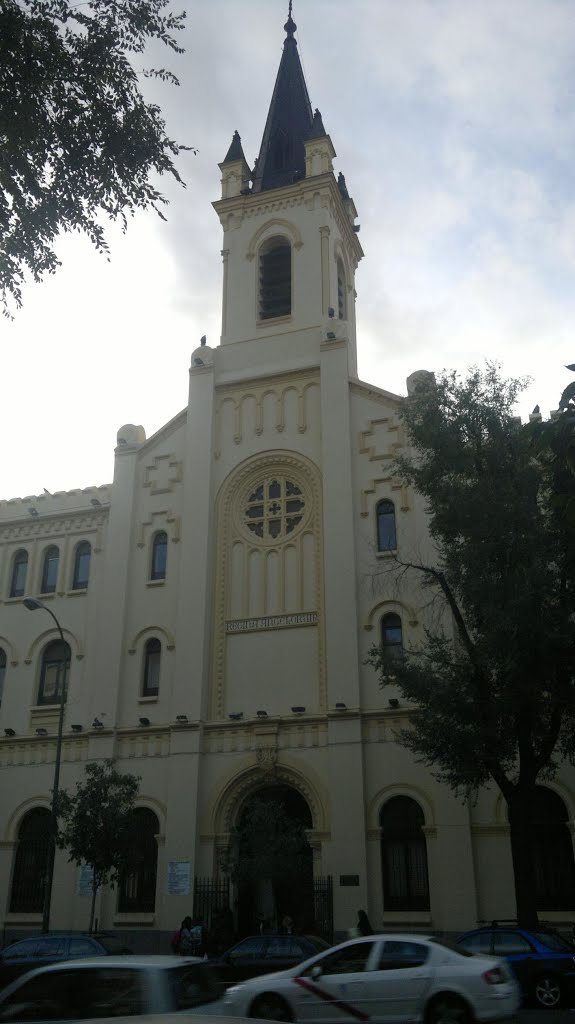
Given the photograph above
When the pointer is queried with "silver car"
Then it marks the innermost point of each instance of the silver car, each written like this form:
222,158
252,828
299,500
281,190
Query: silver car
391,978
113,986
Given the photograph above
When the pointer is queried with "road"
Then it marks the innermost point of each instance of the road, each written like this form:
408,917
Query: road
547,1016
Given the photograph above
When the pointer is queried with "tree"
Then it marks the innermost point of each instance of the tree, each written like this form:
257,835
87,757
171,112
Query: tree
77,139
269,847
492,683
95,824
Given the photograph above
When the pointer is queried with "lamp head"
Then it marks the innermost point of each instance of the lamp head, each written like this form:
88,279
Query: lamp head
32,603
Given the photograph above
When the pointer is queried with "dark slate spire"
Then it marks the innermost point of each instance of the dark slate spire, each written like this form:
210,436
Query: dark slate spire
235,152
282,153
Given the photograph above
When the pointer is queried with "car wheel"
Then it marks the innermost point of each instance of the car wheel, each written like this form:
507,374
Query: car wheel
547,991
271,1007
448,1009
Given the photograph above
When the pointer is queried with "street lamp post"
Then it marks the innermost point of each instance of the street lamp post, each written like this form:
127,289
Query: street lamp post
32,604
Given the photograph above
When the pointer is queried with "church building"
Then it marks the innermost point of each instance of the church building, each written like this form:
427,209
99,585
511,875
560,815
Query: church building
217,602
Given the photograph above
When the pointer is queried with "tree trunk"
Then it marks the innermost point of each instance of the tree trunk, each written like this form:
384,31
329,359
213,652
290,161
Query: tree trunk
522,853
93,904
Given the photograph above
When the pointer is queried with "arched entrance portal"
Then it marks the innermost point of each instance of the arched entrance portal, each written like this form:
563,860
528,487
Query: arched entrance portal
273,861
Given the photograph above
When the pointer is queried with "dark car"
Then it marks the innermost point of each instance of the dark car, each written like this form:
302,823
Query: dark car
543,961
261,954
38,950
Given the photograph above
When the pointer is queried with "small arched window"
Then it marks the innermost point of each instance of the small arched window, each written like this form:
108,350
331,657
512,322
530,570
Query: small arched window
403,855
2,671
341,292
159,556
82,558
54,672
50,570
27,895
386,535
391,634
138,885
19,570
152,660
275,278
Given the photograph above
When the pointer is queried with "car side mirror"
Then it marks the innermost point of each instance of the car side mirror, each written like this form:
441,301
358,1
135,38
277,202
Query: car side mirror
315,972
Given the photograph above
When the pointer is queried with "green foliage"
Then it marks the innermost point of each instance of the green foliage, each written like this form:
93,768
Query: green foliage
77,139
269,843
494,679
96,822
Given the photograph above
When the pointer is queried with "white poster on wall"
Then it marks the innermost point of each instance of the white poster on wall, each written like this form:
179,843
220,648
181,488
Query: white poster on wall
85,880
179,875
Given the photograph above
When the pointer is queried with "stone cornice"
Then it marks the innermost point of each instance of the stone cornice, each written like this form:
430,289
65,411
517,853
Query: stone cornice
358,387
271,201
289,377
53,524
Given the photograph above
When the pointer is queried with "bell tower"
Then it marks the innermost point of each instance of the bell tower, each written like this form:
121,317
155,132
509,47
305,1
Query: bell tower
290,246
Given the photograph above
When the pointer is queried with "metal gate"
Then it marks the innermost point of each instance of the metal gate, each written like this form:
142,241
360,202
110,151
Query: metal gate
210,896
323,906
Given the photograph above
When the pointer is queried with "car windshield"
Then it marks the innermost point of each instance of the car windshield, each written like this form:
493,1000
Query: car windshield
453,946
554,941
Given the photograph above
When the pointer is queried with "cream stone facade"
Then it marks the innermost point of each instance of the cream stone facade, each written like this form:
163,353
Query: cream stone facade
219,621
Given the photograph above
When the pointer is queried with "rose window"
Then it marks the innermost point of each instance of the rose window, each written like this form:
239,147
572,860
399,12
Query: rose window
274,509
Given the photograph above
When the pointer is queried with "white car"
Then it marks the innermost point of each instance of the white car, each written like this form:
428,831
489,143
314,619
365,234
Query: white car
112,986
383,978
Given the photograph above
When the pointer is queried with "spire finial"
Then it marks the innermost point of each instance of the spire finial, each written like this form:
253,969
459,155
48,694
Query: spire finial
290,25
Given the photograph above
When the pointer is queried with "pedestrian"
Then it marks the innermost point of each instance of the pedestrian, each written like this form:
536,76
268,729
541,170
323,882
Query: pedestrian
363,925
197,938
286,925
182,939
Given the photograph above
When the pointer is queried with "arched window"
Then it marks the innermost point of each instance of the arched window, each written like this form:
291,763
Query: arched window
386,536
275,278
82,558
54,672
391,635
152,659
27,895
403,855
341,292
138,884
2,671
50,570
554,863
19,570
159,556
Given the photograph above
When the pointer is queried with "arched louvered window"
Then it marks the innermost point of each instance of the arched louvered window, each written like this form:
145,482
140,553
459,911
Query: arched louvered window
2,671
82,558
341,292
391,635
54,672
50,570
275,278
386,535
152,660
27,893
553,847
19,570
138,884
159,556
403,855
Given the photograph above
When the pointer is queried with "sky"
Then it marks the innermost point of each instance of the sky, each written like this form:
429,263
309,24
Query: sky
454,124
